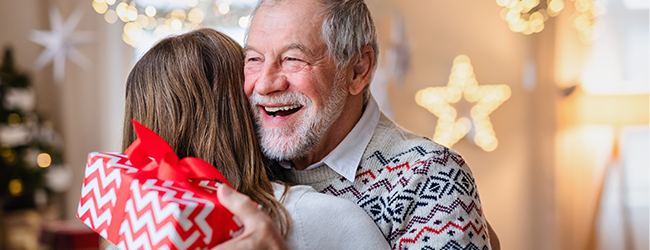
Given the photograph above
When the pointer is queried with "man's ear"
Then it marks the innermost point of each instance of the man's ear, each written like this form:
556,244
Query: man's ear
362,68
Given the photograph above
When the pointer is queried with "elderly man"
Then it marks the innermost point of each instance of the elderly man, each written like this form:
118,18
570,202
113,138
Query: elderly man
308,65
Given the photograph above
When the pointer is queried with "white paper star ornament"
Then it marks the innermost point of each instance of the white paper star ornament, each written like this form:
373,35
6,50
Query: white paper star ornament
60,43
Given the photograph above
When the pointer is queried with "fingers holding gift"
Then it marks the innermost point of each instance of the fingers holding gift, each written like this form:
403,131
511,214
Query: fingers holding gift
259,230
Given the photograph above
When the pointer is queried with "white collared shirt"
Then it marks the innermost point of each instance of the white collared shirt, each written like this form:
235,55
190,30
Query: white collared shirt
345,158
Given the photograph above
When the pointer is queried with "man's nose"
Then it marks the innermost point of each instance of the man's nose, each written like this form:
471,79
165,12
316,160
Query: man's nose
271,80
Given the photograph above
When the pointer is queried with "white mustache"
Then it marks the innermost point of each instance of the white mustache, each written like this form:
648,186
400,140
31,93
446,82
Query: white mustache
285,98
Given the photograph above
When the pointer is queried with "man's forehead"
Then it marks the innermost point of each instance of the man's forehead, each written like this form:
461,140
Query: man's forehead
284,27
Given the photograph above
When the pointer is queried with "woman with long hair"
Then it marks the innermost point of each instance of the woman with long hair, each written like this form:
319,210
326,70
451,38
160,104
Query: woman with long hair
189,90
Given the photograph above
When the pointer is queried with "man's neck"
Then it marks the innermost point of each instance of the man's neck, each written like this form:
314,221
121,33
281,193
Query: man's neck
335,133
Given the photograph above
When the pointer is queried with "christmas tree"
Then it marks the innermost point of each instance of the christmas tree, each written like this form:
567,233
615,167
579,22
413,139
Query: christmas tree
31,164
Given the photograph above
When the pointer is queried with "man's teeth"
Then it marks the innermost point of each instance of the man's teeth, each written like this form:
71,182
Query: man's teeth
277,109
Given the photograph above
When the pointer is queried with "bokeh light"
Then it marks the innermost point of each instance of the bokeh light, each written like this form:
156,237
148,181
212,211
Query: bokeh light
44,160
150,11
224,8
527,17
13,119
100,6
196,16
243,21
110,16
157,21
462,82
15,187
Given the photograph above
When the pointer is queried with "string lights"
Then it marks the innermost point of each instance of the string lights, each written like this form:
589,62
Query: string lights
583,19
164,19
462,83
528,16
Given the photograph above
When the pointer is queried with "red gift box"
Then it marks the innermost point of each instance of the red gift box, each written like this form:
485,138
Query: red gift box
149,199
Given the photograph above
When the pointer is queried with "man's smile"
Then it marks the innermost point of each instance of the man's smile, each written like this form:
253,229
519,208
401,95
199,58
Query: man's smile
280,111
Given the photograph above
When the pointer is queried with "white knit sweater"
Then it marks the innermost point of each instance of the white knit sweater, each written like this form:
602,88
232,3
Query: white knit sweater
320,221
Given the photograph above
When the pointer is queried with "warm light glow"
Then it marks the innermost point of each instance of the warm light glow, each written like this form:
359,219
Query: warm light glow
163,21
44,160
7,153
110,16
529,4
133,30
583,19
176,24
522,19
122,11
196,16
519,26
178,14
100,6
224,8
243,21
13,119
151,23
462,82
617,110
128,40
132,13
15,187
142,20
150,11
556,6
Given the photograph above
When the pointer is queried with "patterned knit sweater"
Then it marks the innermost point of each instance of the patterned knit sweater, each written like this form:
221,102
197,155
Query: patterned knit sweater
420,194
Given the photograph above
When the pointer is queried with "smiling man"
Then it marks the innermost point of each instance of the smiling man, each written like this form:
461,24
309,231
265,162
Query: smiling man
308,66
294,88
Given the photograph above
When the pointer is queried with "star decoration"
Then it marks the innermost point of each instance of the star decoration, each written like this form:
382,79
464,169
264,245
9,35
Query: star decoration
60,43
462,82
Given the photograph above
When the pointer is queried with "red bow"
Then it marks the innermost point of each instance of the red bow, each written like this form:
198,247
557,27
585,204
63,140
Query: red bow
155,159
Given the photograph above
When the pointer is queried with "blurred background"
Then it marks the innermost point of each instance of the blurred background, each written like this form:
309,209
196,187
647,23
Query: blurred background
547,101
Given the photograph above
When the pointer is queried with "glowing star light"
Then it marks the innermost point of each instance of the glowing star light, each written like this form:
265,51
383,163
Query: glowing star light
462,82
60,43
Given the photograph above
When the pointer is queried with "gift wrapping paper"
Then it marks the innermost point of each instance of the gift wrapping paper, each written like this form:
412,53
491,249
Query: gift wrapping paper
149,199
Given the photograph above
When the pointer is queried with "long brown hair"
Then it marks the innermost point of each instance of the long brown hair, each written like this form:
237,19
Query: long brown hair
189,89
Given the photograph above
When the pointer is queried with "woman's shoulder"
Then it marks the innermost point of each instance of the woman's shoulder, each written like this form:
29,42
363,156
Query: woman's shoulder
306,197
321,221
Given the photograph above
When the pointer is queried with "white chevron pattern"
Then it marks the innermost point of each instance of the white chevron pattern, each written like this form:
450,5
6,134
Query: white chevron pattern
157,214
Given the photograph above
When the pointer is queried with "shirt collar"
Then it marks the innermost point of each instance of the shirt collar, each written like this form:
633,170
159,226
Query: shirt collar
345,158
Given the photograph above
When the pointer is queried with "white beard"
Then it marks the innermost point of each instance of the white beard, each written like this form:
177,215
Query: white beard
298,139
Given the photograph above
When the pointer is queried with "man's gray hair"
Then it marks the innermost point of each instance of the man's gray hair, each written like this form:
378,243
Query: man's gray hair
347,27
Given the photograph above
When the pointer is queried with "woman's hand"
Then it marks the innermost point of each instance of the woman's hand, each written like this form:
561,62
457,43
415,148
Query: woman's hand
259,230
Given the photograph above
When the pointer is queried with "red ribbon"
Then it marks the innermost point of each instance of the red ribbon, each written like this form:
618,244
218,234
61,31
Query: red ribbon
155,159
